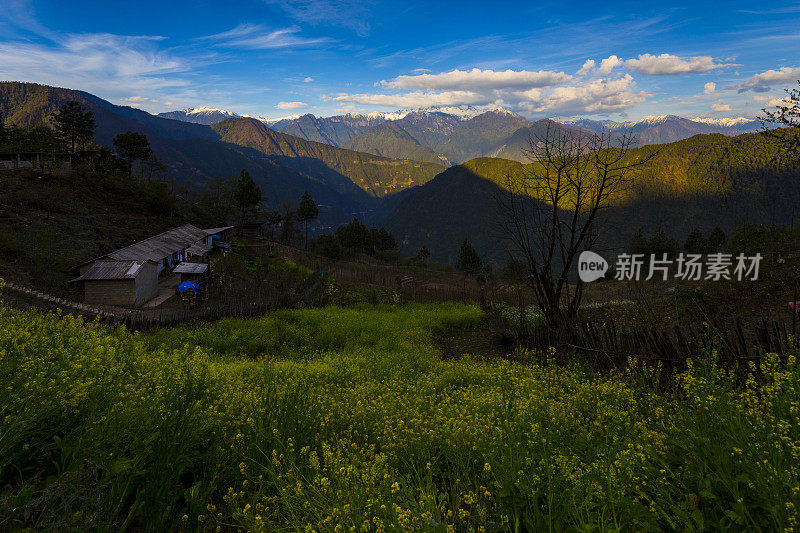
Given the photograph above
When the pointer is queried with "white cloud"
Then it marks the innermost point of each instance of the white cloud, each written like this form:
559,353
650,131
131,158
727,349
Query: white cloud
411,100
586,68
720,106
709,87
770,101
352,14
602,95
291,105
308,79
258,37
761,82
116,65
594,97
477,79
608,64
137,99
668,64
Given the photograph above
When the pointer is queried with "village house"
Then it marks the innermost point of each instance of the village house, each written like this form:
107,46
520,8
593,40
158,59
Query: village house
129,277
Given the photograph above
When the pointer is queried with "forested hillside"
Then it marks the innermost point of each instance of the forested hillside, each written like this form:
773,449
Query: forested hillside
704,181
378,176
391,140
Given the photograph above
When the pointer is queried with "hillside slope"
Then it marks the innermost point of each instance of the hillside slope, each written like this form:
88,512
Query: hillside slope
195,153
703,182
51,224
377,175
391,140
336,131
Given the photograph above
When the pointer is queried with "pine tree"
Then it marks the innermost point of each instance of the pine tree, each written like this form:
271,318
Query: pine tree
716,240
307,212
131,146
696,243
74,123
247,194
469,262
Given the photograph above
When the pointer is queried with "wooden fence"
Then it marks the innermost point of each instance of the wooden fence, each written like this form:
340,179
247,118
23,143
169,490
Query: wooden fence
737,341
144,319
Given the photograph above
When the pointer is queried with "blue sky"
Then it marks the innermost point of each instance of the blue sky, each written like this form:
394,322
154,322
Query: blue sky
274,58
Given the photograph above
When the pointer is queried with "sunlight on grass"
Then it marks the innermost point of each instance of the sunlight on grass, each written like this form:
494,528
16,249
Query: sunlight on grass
348,417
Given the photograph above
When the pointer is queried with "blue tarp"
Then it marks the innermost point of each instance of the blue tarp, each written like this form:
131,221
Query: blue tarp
188,285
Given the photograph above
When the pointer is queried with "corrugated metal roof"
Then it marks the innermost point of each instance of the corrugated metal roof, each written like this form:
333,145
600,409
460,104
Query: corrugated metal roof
214,231
199,249
112,270
190,268
162,245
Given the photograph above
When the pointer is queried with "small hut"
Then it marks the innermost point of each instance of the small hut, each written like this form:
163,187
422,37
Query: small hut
119,283
196,272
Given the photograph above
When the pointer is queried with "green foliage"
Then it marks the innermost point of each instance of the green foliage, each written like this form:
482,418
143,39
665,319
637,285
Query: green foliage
75,124
696,243
5,132
354,238
657,244
469,262
246,195
132,146
349,417
306,212
717,239
217,197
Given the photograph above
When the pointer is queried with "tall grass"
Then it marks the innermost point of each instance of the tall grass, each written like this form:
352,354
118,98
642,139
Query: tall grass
348,419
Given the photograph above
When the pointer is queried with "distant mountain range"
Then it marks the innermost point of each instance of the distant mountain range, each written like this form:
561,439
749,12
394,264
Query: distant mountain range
200,115
403,169
705,181
343,182
454,135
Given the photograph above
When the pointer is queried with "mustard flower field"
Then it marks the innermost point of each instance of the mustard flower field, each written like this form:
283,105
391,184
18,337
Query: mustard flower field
349,420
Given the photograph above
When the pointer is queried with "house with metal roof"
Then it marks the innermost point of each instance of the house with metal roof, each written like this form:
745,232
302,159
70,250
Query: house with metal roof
128,277
124,283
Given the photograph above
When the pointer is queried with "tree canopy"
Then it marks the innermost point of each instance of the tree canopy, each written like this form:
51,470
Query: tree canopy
74,123
247,195
469,262
131,146
307,212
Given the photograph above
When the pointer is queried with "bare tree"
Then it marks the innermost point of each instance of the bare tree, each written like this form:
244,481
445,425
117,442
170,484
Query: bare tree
549,211
787,119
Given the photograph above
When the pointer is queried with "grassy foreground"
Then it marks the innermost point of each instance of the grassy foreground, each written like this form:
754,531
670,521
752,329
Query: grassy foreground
348,420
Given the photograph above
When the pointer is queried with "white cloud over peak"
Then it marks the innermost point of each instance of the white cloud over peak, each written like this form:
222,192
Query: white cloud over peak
720,106
581,96
597,96
291,105
668,64
411,100
477,79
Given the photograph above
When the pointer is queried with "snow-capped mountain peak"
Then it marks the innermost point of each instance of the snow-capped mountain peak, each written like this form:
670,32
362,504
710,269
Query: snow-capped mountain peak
727,122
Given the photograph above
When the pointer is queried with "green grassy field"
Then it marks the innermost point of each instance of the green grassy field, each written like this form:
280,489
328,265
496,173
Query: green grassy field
349,420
